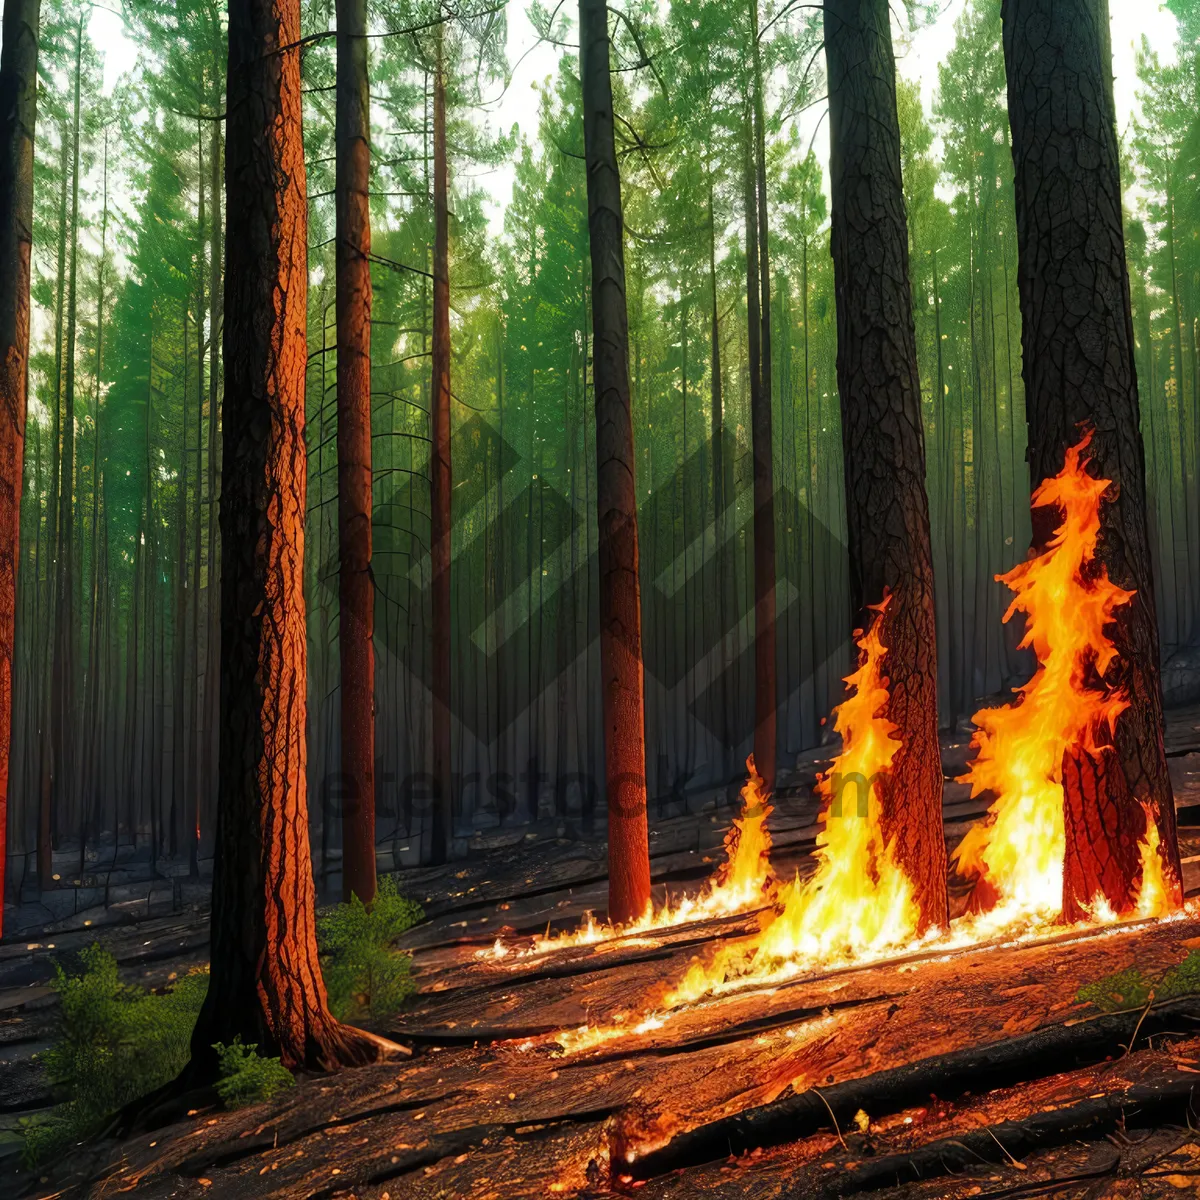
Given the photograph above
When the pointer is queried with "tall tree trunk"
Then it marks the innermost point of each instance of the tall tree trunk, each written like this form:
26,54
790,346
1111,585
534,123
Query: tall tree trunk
62,671
18,111
440,472
212,667
764,466
1077,339
45,848
356,591
882,434
616,491
266,984
179,755
89,789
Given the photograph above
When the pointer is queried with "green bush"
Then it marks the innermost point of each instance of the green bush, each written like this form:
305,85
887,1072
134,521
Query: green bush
115,1042
365,975
247,1078
1131,988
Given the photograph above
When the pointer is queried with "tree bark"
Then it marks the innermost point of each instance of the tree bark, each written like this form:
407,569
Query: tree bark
1078,363
882,434
616,491
266,984
440,472
356,591
764,466
18,112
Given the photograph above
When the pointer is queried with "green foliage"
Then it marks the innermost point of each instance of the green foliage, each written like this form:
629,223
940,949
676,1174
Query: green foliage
1131,988
115,1042
364,975
247,1077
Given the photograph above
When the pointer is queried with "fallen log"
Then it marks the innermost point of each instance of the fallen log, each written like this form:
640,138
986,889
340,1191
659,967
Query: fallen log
1036,1055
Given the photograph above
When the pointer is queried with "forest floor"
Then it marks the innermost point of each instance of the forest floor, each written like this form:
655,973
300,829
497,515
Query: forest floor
971,1073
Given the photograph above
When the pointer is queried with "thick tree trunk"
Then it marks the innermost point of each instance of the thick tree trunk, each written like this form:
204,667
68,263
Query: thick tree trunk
1077,338
266,982
883,438
616,491
440,473
18,110
764,466
356,615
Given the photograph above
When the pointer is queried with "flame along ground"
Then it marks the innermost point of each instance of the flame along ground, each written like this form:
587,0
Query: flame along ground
858,905
741,883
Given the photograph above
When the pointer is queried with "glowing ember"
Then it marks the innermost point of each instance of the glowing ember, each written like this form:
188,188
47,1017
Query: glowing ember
1016,854
741,883
860,900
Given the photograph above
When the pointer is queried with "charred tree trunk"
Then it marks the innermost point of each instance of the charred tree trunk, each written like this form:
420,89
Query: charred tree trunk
356,592
883,439
266,984
1078,363
440,476
764,466
616,492
18,110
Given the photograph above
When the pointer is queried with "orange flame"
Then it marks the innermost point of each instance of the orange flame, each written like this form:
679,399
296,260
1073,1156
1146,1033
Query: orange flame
1068,601
1154,893
860,900
741,883
859,903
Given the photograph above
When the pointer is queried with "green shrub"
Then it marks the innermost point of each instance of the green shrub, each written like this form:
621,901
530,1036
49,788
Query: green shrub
247,1078
365,975
1131,988
115,1042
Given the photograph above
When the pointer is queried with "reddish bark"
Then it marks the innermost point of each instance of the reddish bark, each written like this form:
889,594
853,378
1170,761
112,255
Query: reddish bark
266,984
356,614
883,438
616,491
440,475
1078,364
18,111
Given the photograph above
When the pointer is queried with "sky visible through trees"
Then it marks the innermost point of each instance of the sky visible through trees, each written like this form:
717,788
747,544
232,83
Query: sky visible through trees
115,709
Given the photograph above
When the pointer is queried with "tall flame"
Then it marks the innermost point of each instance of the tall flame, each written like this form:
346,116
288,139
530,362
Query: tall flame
1016,854
860,900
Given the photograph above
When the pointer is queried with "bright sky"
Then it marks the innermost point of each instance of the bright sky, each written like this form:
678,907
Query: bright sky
918,60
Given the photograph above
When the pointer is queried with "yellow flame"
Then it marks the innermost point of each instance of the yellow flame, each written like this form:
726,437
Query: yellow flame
1154,895
1017,852
860,899
742,882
